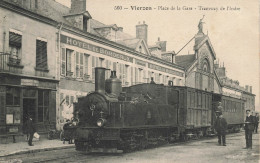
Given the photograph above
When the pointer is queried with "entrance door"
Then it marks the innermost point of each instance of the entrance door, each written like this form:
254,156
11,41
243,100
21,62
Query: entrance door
29,108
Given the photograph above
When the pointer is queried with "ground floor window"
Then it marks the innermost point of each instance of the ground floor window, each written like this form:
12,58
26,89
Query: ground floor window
43,103
12,96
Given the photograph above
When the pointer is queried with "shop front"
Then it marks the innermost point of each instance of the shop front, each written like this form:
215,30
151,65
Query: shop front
23,97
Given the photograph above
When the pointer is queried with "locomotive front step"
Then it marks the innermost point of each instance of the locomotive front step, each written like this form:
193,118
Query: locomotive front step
105,150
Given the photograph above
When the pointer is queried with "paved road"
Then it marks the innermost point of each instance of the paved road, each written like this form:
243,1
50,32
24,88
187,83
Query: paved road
205,150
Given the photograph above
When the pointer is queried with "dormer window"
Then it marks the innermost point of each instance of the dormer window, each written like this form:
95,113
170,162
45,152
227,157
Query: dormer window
79,20
140,49
85,23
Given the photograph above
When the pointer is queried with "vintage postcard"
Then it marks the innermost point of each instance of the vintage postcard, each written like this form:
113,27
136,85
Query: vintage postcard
129,81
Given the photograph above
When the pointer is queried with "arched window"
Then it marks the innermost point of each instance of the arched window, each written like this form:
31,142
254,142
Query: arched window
205,65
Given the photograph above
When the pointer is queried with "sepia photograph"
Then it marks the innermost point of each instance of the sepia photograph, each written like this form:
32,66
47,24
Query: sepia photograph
134,81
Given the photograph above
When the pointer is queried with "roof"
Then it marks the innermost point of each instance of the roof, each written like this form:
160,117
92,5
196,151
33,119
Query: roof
154,46
169,52
131,43
200,40
86,13
122,38
185,60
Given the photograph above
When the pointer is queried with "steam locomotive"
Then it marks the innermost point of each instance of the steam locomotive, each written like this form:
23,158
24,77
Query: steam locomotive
116,119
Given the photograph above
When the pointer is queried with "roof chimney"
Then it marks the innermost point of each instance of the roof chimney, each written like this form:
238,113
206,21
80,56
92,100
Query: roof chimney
250,89
78,6
247,88
120,29
141,31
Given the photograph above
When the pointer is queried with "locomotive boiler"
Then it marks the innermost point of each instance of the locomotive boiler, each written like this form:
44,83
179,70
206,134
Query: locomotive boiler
116,119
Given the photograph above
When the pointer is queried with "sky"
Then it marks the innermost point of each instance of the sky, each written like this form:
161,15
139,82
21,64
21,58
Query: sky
233,32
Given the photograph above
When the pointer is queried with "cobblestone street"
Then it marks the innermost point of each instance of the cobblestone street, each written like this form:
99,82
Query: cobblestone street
205,150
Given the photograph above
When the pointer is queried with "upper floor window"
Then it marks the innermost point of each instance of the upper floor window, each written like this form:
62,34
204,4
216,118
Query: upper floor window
74,64
79,65
66,67
15,44
41,55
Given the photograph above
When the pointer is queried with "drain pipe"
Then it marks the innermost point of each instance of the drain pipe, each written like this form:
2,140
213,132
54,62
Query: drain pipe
59,47
58,126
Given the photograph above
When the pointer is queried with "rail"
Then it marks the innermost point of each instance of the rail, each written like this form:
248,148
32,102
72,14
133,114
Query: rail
10,64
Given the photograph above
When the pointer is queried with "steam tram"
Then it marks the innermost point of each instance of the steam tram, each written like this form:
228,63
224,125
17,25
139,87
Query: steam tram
145,115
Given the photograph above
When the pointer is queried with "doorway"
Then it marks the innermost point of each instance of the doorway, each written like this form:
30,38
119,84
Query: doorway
29,108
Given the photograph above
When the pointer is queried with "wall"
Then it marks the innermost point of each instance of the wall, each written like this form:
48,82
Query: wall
30,30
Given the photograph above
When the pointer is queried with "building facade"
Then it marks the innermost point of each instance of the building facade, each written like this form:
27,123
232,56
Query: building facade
28,77
232,88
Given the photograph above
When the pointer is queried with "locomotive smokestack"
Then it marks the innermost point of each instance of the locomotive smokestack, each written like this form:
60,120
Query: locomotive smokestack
100,79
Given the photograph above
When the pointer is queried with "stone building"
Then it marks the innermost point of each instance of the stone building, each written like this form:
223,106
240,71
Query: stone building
28,77
232,88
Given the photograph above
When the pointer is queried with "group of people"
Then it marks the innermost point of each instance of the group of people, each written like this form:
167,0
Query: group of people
251,125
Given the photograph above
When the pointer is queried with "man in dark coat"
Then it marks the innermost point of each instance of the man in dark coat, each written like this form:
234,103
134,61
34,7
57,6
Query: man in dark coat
256,121
249,128
30,130
221,127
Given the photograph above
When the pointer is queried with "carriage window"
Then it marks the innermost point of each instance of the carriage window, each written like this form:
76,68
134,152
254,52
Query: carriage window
195,99
203,100
223,104
188,99
192,99
199,99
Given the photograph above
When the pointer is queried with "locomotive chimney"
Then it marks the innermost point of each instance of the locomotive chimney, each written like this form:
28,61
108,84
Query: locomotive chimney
100,79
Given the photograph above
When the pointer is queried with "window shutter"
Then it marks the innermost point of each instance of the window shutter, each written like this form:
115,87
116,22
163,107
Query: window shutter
93,67
81,65
77,64
68,58
86,63
63,62
15,39
41,54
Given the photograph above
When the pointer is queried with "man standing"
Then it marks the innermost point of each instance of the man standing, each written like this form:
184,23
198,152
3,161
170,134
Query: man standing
256,121
249,128
30,130
221,127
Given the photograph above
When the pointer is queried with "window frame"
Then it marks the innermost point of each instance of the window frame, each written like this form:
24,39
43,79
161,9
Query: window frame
41,54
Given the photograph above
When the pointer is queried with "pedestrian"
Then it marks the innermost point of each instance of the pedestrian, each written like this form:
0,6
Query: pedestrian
221,127
256,121
25,127
67,132
249,128
30,130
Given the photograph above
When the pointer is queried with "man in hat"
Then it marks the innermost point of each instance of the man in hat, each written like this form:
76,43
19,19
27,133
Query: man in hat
30,130
220,126
249,128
